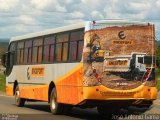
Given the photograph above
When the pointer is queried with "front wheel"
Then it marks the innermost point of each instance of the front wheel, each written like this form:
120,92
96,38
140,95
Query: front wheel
55,107
18,101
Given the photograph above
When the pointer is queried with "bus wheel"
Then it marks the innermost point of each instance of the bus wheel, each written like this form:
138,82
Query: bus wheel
58,108
18,101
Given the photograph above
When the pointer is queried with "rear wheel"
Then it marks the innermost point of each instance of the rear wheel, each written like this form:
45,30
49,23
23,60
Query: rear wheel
18,101
55,107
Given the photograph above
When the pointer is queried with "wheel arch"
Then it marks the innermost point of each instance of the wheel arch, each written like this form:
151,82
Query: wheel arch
51,86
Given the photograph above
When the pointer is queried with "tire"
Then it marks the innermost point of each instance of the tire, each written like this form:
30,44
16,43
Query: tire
18,101
58,108
136,74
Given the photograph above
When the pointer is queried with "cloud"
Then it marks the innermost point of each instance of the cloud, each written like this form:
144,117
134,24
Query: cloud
71,21
27,20
21,28
158,3
7,5
77,14
41,5
48,5
26,16
96,14
126,9
92,2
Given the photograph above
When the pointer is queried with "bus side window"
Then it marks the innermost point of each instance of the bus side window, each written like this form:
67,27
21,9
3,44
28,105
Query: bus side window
20,49
28,51
61,53
76,45
49,45
37,50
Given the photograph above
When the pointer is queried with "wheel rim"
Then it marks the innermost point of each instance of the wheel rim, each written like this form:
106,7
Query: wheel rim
53,105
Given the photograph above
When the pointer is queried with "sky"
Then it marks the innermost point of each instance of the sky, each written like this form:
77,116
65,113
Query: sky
19,17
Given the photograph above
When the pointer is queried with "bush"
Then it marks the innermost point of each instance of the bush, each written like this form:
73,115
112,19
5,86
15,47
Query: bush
2,82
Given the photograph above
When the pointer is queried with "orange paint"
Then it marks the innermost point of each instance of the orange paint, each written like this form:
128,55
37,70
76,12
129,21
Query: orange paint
69,87
9,90
38,92
104,93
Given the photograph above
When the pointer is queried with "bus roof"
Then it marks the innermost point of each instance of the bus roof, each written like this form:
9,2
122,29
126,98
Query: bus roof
49,31
78,26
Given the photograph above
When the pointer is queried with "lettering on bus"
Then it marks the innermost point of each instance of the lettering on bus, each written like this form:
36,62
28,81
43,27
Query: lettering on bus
121,35
38,71
120,42
109,93
117,63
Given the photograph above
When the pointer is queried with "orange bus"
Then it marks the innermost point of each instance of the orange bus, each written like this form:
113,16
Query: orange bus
108,64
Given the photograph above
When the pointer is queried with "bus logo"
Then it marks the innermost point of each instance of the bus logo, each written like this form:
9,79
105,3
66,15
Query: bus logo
28,74
121,35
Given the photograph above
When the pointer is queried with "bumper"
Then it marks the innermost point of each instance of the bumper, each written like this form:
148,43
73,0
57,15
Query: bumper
103,93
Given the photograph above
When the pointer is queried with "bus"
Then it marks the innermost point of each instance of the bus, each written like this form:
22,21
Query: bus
103,64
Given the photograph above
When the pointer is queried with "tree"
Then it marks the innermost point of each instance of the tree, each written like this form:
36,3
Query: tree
158,54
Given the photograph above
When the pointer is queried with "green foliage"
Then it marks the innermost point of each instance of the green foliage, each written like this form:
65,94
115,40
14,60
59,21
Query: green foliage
158,54
158,85
3,47
2,82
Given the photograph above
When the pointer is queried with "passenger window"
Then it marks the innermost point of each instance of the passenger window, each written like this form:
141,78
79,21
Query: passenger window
28,51
62,47
49,44
20,50
76,45
37,50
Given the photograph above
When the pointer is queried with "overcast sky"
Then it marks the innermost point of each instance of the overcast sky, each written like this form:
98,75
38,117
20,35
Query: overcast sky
18,17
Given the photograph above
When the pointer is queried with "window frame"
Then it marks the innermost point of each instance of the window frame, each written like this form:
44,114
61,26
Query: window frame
77,45
62,44
18,60
28,51
49,45
37,46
